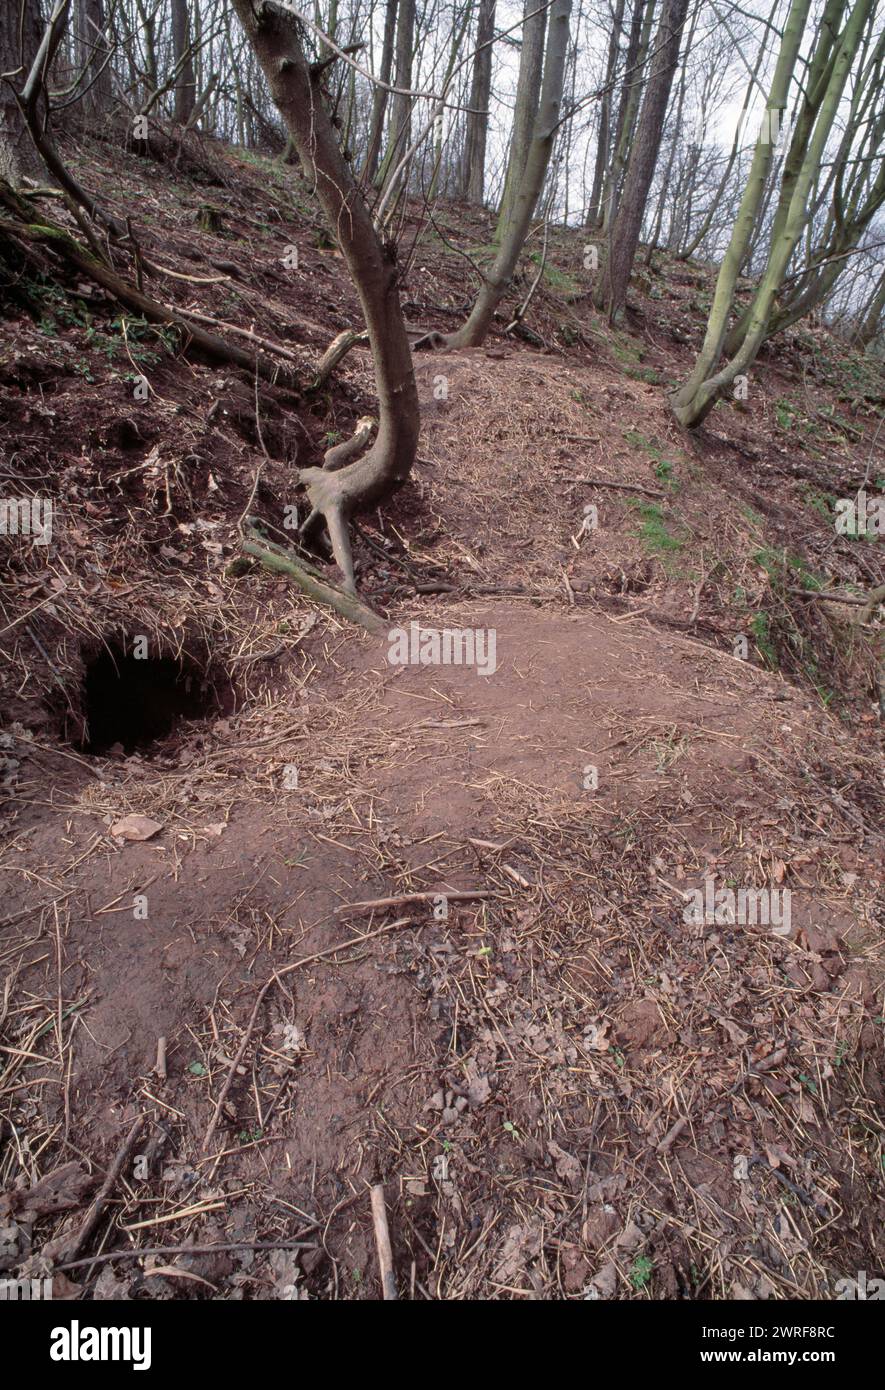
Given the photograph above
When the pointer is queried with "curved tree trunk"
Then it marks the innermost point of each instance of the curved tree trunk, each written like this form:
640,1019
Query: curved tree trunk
296,90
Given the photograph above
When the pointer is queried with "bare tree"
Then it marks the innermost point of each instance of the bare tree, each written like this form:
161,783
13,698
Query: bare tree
379,99
401,106
528,94
92,55
473,165
835,49
498,278
296,88
643,156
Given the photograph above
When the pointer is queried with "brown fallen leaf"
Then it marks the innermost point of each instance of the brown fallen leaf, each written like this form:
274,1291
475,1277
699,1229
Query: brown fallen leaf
136,827
58,1191
567,1166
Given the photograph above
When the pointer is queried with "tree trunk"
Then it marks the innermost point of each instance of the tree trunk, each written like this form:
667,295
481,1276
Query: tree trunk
473,166
379,98
296,90
628,107
695,399
182,56
871,325
400,133
21,29
528,94
643,156
473,332
603,135
92,52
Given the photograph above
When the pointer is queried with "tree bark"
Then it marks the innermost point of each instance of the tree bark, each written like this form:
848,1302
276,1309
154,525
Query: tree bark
182,56
528,94
296,91
92,52
473,332
476,135
400,132
603,134
643,157
379,98
21,28
628,107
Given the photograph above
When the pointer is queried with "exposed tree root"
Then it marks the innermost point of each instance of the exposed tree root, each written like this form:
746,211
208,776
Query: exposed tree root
283,561
335,353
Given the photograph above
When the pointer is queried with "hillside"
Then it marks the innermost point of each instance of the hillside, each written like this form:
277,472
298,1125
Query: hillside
569,1088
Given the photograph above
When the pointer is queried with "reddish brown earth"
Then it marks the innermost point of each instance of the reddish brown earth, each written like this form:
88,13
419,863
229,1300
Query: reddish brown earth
568,1090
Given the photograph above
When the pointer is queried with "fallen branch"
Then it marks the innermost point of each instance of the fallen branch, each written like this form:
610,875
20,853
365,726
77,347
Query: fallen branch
93,1215
49,234
335,352
267,343
146,1250
868,601
621,487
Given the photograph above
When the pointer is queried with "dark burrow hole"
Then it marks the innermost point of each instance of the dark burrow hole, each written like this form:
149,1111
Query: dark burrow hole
135,702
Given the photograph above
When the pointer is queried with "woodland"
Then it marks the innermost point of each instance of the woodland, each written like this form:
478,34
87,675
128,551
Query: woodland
442,672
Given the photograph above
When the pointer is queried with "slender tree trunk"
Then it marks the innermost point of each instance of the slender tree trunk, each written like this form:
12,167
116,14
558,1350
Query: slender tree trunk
296,91
473,166
696,398
21,29
400,133
182,56
628,108
473,332
872,322
91,50
528,93
379,97
643,157
603,134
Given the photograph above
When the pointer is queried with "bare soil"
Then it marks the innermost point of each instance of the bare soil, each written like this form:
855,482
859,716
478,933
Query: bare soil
568,1089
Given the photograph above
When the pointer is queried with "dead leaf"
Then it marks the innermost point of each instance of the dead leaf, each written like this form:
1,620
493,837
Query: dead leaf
58,1191
136,827
567,1166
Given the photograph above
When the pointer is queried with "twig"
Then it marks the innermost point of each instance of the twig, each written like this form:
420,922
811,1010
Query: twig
382,1244
372,903
621,487
93,1215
